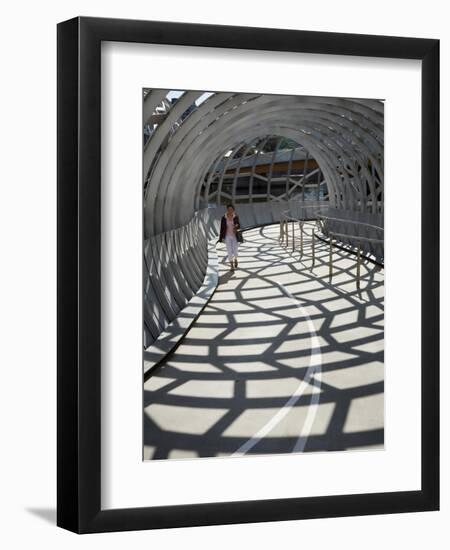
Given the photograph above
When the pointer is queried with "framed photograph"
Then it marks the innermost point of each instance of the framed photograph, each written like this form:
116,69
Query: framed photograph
248,274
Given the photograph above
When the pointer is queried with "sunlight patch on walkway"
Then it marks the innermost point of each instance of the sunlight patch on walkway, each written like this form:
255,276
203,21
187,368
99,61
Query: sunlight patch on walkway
242,349
376,346
365,413
279,387
342,319
327,358
155,383
254,333
356,376
191,366
259,317
205,333
250,366
221,389
182,453
186,349
299,344
250,421
355,334
188,420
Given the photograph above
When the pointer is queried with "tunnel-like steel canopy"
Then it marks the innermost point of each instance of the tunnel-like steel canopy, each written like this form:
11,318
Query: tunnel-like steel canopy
192,135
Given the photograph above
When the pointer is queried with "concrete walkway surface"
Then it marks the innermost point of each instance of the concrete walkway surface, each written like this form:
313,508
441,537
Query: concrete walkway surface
281,360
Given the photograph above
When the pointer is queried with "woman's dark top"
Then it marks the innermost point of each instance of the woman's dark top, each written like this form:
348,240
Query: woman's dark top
223,226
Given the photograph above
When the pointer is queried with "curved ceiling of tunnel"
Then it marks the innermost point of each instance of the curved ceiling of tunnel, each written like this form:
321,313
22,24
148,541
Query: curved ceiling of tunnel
186,137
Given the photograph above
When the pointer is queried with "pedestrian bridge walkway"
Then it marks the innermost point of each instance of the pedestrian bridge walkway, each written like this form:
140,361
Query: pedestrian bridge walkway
280,360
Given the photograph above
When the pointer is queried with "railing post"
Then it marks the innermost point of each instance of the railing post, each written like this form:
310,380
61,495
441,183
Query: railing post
358,266
313,249
300,226
293,236
330,262
287,233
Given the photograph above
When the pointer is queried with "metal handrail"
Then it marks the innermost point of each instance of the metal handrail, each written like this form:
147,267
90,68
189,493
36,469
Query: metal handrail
354,222
284,237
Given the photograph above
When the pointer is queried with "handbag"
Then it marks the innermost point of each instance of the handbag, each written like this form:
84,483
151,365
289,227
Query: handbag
239,236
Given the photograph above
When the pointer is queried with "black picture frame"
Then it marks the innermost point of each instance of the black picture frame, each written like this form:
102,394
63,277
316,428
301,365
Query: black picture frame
79,280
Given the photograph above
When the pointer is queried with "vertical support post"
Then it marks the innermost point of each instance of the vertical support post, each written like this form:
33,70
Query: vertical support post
287,233
293,239
330,261
300,226
318,184
313,249
358,267
305,169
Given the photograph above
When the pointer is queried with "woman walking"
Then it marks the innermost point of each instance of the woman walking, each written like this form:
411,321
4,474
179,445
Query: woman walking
231,234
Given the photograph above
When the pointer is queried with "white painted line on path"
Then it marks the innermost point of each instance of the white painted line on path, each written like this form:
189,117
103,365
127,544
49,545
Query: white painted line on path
314,372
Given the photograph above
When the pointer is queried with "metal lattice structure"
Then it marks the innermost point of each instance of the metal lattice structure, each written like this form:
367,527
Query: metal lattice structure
262,152
269,168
